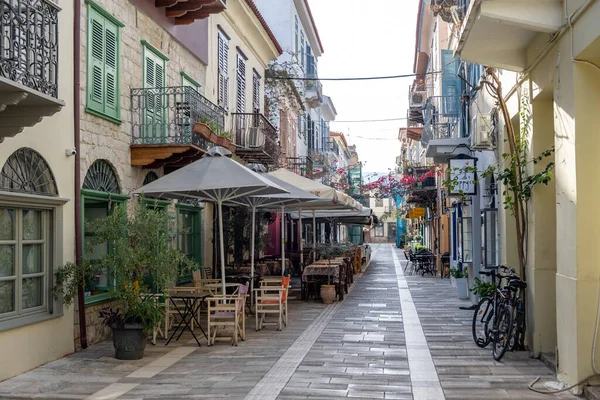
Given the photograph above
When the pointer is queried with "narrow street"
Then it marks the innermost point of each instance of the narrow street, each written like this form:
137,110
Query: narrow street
393,337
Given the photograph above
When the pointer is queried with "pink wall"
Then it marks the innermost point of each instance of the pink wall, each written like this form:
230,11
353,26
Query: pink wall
274,247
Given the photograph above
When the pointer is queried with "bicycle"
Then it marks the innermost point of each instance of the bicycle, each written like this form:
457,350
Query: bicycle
496,309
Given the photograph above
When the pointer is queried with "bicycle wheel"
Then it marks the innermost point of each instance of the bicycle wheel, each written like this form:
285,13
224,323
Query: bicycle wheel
481,322
503,331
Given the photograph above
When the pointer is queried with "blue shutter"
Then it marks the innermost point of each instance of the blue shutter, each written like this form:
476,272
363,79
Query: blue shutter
451,83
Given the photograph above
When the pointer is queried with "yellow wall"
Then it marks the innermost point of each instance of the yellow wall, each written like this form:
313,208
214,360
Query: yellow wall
245,32
32,345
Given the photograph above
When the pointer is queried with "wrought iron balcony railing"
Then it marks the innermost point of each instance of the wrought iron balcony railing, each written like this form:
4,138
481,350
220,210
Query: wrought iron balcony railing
313,87
333,147
255,132
167,115
29,44
442,116
302,166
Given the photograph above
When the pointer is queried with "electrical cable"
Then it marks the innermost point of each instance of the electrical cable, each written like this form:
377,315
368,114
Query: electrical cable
371,120
364,78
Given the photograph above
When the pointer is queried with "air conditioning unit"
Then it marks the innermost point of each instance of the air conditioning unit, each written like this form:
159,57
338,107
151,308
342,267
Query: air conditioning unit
482,132
417,99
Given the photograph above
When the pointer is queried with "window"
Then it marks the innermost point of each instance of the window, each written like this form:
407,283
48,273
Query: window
302,56
467,239
25,241
99,197
255,92
223,67
379,231
188,81
296,35
241,84
27,245
189,238
490,238
378,202
103,55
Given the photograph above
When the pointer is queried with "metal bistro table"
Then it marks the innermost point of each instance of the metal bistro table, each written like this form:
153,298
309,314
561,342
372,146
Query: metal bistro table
192,303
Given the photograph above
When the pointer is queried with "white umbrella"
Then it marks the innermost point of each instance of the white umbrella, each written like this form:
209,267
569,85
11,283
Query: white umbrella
294,196
215,178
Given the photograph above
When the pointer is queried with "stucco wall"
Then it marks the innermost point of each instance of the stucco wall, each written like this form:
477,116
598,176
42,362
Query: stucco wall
32,345
246,34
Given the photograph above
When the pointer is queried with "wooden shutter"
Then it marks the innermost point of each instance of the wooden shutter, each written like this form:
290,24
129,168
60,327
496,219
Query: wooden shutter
154,77
223,66
110,65
241,84
96,61
256,93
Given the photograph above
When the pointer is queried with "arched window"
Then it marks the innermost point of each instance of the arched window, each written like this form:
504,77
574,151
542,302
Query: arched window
150,177
101,177
26,171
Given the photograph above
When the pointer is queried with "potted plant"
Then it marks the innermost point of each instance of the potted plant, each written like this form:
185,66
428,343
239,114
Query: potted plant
482,288
462,284
329,252
141,262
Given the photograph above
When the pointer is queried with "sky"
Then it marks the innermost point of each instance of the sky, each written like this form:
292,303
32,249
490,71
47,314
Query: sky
368,38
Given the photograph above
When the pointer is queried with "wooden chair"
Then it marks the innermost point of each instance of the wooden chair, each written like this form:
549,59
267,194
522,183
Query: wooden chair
171,313
227,311
271,299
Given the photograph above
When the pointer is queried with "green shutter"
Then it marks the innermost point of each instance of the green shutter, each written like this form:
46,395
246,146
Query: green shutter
111,102
95,61
154,77
103,65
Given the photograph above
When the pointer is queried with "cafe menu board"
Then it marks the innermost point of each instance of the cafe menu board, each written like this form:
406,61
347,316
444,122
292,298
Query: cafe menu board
463,175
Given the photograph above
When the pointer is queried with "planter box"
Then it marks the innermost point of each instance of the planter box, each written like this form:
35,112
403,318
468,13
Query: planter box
231,146
462,288
213,137
203,130
221,141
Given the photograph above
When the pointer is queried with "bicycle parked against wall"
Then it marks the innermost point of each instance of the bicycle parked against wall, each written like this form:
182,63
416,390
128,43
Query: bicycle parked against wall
500,318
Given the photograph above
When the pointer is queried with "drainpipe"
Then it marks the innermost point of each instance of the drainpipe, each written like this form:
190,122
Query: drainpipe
77,137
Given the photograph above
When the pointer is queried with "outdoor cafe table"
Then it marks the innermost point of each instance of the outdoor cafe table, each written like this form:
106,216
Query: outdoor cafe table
318,269
191,304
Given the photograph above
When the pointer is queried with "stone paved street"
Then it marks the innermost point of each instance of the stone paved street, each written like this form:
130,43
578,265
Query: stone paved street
392,337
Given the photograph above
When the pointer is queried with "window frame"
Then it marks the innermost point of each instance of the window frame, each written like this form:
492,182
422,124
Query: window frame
223,70
95,10
97,196
241,86
54,205
197,252
191,82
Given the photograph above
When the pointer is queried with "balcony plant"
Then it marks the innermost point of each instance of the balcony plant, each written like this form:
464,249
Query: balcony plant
141,263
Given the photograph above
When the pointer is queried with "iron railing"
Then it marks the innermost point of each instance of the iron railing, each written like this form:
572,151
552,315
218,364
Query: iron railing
254,131
29,44
302,166
313,84
333,147
167,115
442,116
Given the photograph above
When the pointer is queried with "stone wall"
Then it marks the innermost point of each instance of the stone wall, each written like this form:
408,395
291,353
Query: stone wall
96,331
103,139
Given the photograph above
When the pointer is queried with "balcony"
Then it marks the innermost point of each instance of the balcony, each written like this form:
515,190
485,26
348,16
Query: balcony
187,11
28,64
334,148
443,126
256,138
498,33
302,166
313,89
164,126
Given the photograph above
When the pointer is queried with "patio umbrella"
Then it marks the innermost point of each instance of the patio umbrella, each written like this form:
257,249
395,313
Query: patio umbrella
295,195
215,178
330,197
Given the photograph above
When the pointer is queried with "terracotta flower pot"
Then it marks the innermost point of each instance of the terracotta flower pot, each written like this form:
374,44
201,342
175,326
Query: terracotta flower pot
231,146
203,130
213,137
328,293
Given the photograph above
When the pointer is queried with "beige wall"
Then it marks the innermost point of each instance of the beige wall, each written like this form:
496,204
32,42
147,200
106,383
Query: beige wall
32,345
246,33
